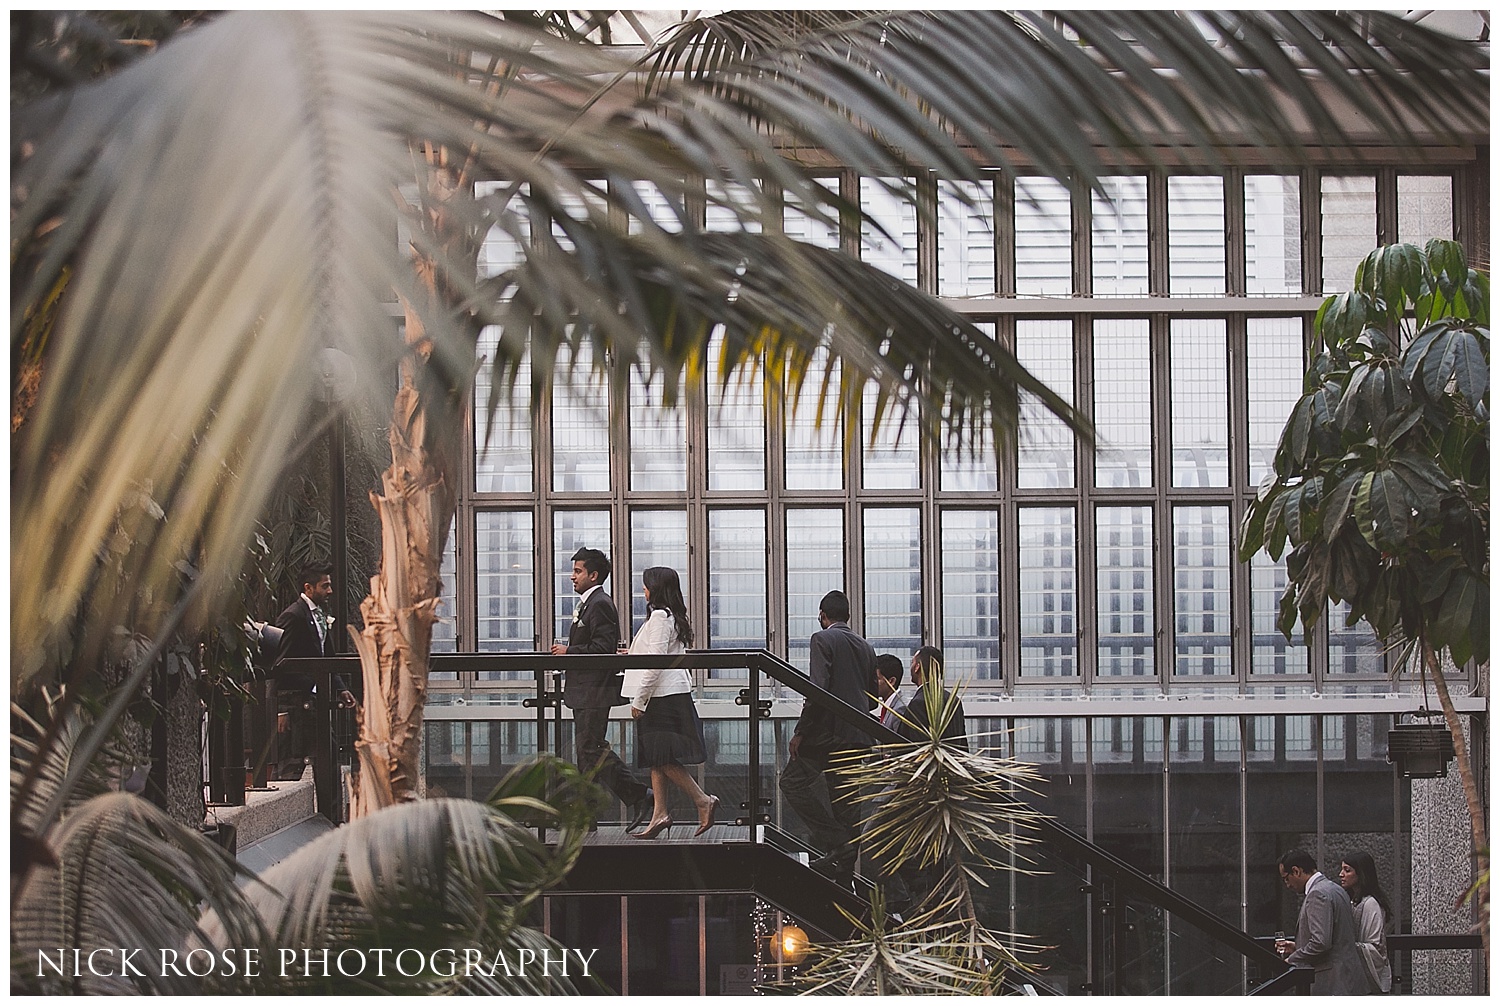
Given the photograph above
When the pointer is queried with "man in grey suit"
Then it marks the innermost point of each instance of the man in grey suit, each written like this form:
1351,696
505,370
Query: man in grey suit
1325,929
842,662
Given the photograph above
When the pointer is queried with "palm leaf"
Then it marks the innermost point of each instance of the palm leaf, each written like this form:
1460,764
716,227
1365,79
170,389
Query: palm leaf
432,875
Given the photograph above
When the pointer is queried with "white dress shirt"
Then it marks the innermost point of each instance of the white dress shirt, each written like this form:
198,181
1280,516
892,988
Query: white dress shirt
659,635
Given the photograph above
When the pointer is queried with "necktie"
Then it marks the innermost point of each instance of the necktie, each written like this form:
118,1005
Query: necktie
321,621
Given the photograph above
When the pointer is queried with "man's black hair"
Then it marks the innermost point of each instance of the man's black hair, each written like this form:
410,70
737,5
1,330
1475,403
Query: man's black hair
835,605
1299,859
890,667
313,572
594,561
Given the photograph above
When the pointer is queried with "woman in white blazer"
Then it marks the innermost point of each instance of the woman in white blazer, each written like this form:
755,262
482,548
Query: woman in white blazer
669,732
1371,910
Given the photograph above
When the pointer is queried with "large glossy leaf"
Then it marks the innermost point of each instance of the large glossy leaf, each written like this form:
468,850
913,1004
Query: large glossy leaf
1383,508
1394,274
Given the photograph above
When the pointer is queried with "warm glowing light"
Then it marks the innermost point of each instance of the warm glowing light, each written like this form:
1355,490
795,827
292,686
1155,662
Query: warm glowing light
793,944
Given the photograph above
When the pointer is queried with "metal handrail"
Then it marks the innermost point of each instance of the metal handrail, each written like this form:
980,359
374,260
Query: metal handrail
760,661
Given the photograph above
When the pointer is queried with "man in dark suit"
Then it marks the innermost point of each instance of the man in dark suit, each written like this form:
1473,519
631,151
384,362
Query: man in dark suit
1325,929
307,632
591,693
842,662
927,666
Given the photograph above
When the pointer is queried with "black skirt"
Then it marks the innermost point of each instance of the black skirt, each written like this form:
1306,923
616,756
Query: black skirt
669,733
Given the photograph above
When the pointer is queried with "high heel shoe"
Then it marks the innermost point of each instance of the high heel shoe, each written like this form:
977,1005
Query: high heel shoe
655,828
708,821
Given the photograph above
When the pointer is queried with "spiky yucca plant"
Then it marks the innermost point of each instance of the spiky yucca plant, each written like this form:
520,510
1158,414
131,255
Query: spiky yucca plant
953,814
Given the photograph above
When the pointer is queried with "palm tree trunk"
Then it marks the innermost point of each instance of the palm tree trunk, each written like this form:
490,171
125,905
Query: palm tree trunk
415,509
416,506
1471,793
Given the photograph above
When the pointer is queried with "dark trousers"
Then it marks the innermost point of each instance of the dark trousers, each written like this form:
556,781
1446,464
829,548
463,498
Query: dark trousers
594,752
816,793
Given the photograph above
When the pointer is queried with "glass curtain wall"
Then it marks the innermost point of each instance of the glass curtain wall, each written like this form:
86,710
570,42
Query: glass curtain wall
1172,309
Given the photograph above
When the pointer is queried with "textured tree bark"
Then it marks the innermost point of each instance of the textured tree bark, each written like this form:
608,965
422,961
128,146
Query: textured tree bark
415,505
399,614
1471,792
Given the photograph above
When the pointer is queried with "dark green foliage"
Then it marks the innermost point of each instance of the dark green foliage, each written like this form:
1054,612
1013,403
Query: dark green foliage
1382,474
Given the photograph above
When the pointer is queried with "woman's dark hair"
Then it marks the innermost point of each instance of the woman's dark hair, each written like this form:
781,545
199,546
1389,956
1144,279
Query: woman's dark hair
666,592
1368,880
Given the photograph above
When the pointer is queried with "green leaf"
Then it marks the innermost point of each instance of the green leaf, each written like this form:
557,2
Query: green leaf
1382,509
1340,502
1343,317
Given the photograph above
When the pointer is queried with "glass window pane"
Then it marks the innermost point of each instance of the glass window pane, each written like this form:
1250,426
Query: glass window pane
971,467
1424,208
503,551
736,423
1274,372
966,239
502,439
814,566
737,580
1047,546
580,206
504,245
895,250
814,429
891,458
445,632
1271,652
1348,227
1352,649
1273,234
1044,451
658,435
1127,620
657,538
1200,402
971,595
803,226
1122,402
665,212
1044,237
572,530
893,579
723,202
1200,573
580,423
1119,237
1195,235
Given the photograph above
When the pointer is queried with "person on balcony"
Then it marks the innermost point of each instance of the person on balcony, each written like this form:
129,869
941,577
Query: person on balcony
307,631
1325,929
669,732
1371,909
840,661
591,693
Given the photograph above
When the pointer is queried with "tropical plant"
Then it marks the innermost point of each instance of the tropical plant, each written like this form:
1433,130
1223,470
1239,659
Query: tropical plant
189,232
1380,495
952,815
425,878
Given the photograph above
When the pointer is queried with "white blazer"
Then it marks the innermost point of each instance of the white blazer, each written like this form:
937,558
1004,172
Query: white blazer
657,635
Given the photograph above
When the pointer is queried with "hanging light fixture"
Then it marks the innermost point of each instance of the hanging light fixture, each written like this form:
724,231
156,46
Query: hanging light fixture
1420,750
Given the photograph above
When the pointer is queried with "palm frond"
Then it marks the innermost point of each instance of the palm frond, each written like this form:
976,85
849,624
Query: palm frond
126,876
227,209
432,875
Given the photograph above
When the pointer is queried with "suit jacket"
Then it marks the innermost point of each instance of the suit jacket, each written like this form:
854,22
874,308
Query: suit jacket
841,662
916,712
301,640
595,629
1325,940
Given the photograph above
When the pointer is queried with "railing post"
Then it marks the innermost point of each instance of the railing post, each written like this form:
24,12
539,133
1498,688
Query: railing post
759,710
323,748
